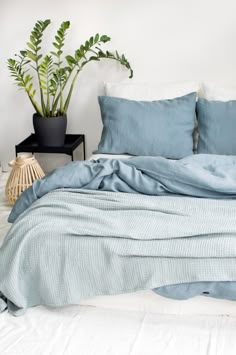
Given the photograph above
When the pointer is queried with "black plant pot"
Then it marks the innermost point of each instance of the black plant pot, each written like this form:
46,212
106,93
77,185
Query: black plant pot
50,131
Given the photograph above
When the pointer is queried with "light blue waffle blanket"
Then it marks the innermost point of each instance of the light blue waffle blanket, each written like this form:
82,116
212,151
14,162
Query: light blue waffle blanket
75,236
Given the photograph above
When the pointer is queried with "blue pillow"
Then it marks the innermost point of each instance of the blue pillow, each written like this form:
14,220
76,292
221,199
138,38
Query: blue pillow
155,128
216,127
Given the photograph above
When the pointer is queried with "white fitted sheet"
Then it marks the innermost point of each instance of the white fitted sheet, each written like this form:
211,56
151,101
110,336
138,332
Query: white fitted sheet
80,330
109,156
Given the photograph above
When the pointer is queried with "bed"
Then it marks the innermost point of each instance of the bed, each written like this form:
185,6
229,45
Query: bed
140,322
120,324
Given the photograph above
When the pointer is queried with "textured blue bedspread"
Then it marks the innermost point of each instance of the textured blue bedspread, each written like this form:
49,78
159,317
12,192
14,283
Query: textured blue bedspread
205,176
202,175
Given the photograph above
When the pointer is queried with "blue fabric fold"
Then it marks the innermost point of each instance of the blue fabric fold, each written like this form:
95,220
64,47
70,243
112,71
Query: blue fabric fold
220,289
202,175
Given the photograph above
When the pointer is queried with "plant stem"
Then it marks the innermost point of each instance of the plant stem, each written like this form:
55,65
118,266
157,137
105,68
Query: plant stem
35,105
60,86
40,90
48,98
67,102
55,101
61,99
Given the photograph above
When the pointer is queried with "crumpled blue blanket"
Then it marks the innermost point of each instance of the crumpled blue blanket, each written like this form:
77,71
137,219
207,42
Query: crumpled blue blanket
201,175
204,176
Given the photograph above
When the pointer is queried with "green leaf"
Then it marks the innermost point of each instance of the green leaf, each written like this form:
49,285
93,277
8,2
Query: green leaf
27,79
11,62
105,39
23,53
46,23
56,45
32,39
29,87
66,25
54,53
60,33
91,41
70,60
101,54
78,55
35,34
31,46
94,58
59,40
31,55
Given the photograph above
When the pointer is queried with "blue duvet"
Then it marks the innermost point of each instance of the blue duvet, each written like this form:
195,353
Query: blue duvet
116,226
201,175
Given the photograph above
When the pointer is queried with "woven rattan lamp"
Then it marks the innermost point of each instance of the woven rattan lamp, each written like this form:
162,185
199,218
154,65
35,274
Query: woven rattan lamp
25,170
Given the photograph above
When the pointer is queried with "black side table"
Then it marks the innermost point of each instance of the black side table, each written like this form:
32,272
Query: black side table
72,141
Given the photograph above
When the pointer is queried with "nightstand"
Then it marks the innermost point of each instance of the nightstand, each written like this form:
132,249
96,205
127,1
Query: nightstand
72,141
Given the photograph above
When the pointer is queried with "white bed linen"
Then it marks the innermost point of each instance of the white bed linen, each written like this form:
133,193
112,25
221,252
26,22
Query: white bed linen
140,323
109,156
80,330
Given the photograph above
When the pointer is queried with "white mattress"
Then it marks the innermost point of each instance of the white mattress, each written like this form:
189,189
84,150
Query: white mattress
140,323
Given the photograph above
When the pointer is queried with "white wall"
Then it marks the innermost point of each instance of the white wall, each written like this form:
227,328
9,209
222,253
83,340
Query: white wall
165,40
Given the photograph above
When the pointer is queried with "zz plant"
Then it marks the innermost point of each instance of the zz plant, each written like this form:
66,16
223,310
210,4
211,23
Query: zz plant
55,73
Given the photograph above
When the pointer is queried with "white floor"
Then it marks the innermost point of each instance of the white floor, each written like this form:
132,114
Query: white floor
134,329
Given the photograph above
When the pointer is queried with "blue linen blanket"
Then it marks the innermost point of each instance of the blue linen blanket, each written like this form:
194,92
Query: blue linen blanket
74,236
202,175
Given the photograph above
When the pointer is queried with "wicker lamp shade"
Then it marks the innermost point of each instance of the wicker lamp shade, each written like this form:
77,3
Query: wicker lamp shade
25,170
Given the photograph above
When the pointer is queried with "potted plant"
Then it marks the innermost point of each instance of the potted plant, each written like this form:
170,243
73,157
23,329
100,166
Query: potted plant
55,76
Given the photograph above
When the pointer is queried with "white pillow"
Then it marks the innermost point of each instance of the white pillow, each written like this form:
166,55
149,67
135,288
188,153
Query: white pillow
212,91
150,92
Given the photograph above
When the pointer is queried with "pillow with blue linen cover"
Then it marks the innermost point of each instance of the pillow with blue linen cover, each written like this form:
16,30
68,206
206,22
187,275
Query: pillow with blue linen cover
216,127
155,128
